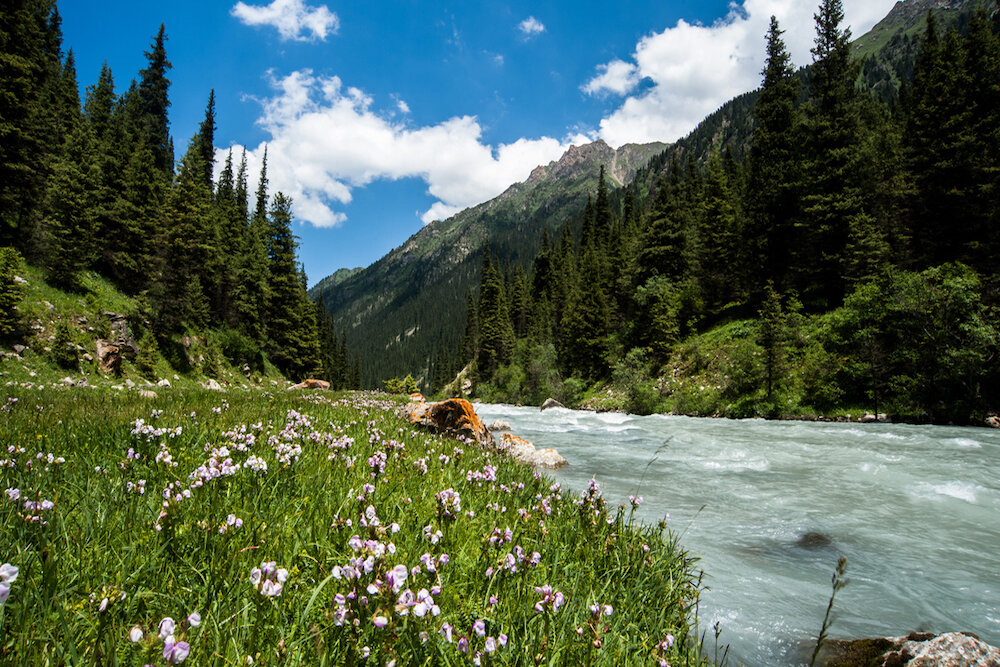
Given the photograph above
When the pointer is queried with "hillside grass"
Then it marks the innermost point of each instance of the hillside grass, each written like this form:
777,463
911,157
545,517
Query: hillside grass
188,361
120,512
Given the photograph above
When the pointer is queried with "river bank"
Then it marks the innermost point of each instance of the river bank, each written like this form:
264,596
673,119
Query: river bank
307,527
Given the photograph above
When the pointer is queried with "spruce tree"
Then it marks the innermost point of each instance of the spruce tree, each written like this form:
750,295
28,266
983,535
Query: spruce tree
154,102
774,170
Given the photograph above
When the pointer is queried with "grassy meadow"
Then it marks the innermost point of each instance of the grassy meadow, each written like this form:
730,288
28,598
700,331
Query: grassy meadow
307,528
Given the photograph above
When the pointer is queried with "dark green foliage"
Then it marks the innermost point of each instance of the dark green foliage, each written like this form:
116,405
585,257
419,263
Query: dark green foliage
771,337
64,351
293,344
10,292
153,103
774,171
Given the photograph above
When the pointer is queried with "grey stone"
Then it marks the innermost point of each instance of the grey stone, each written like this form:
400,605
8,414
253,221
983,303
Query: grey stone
551,403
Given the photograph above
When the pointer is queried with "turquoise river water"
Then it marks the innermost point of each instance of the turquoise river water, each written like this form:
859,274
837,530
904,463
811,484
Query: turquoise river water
915,509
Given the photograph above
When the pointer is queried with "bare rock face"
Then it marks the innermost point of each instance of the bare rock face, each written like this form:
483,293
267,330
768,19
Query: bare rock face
109,356
312,384
524,451
455,415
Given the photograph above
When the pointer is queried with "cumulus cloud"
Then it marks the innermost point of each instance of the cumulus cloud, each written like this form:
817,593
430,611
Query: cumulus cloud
617,77
693,69
326,140
293,19
531,26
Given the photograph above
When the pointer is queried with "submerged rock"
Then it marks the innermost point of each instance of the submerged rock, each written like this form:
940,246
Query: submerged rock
551,403
813,540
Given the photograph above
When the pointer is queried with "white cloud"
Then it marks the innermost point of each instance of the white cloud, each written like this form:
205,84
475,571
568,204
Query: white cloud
402,106
617,77
694,69
292,18
531,27
326,140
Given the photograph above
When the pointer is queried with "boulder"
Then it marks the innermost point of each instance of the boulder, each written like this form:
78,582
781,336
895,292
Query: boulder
952,649
500,425
109,356
869,418
992,421
18,280
524,451
68,381
213,385
19,349
417,396
455,415
165,383
312,384
551,403
147,393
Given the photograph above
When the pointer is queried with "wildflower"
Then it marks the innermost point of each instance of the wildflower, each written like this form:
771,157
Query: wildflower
445,631
194,619
135,635
175,653
667,642
380,621
8,574
491,645
479,627
13,494
551,599
166,628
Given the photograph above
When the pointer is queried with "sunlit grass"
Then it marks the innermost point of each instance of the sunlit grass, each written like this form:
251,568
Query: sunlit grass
362,541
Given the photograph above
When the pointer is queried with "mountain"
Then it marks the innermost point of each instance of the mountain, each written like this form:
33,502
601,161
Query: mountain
400,311
417,292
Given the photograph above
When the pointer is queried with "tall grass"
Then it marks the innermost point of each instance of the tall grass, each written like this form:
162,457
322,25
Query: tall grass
363,541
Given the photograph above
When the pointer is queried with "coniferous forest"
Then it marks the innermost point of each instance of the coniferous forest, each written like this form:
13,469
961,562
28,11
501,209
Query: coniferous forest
94,185
844,258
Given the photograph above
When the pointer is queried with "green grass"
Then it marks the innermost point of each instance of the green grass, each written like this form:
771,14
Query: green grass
106,558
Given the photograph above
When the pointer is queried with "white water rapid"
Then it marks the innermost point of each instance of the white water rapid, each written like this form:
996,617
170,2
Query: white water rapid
769,507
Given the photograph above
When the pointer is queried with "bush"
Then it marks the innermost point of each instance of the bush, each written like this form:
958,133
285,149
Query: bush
405,385
240,349
64,351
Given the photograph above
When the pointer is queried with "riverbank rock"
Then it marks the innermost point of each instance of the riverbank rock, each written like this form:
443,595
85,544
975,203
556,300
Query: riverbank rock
311,384
417,396
524,451
499,425
869,418
551,403
455,415
993,421
952,649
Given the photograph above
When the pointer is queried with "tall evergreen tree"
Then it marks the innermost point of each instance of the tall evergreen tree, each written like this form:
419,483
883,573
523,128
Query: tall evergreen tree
832,193
154,102
774,170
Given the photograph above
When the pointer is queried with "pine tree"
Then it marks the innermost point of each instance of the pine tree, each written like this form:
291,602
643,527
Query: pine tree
496,334
774,170
771,337
154,103
832,193
718,237
30,64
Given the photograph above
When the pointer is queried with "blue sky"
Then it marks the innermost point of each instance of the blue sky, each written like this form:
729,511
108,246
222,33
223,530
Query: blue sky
382,115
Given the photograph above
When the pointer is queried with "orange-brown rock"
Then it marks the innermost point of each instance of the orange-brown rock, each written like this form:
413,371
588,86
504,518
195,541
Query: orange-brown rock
312,384
455,415
417,396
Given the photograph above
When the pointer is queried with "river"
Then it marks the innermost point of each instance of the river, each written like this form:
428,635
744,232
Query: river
915,509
